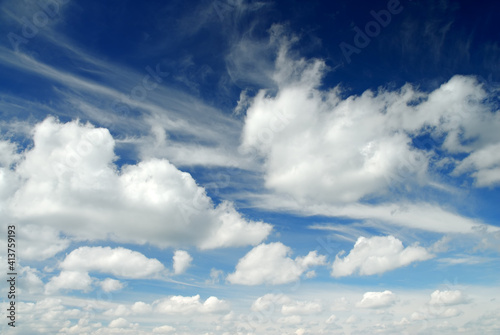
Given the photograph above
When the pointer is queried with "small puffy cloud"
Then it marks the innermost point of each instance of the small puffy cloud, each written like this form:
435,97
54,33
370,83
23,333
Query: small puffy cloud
190,305
141,308
270,264
118,261
163,330
377,299
377,255
182,260
448,298
111,285
215,276
449,313
69,280
120,310
69,175
119,323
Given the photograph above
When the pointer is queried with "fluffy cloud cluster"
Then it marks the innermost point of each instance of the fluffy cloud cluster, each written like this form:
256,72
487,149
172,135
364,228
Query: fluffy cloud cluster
377,299
377,254
69,280
171,305
270,264
190,305
69,176
321,147
119,261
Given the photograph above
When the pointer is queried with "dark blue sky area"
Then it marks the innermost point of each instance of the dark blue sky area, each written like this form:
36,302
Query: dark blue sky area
425,42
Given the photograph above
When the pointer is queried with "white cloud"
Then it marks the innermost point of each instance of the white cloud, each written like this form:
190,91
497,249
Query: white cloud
450,313
110,285
215,276
484,164
331,319
30,278
120,310
377,299
182,260
301,308
292,309
42,242
163,330
69,280
420,215
377,254
190,305
448,298
69,175
118,261
270,302
322,148
270,264
141,308
119,323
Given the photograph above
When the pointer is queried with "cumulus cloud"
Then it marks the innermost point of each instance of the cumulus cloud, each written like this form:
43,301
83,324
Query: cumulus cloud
69,280
141,308
42,242
190,305
69,175
111,285
377,299
119,323
377,254
270,264
323,147
30,278
448,298
182,260
119,261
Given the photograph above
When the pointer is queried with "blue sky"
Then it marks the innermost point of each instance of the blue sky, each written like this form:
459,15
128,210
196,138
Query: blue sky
244,167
